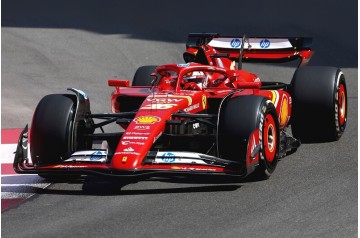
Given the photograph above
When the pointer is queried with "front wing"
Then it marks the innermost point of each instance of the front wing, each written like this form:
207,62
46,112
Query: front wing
155,163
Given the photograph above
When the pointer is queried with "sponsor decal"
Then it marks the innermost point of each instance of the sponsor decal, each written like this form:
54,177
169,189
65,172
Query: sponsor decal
97,155
135,137
175,96
126,142
261,129
88,156
191,155
284,111
192,169
168,157
147,119
203,101
176,167
124,159
142,128
202,169
129,149
137,133
164,100
179,158
256,43
193,107
235,43
159,106
261,135
70,166
265,43
183,65
127,153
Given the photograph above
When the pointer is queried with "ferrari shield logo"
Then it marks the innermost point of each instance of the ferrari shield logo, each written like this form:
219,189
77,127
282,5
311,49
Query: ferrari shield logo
204,101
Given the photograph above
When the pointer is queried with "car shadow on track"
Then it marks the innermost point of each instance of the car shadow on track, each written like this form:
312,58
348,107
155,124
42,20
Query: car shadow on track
100,186
97,186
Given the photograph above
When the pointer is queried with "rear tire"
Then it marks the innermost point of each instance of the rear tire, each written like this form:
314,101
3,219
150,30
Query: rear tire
239,118
143,76
51,129
319,104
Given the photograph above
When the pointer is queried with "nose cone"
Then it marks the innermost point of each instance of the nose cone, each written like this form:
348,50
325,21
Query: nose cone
146,128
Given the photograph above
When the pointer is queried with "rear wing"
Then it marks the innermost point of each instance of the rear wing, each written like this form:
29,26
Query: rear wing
254,49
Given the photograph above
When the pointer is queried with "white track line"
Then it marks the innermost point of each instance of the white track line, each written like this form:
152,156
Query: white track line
7,153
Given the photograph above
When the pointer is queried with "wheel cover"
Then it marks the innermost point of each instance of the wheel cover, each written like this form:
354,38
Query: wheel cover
342,105
270,138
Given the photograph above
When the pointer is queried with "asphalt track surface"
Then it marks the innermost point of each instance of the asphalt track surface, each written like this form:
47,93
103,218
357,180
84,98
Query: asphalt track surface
48,46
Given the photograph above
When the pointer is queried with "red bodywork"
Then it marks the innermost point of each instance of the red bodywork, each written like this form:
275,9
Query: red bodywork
166,100
171,95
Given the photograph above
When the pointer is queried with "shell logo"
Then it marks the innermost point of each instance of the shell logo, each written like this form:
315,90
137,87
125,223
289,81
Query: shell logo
284,112
275,97
147,119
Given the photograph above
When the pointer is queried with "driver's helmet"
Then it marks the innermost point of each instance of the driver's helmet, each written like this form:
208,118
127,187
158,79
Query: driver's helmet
198,77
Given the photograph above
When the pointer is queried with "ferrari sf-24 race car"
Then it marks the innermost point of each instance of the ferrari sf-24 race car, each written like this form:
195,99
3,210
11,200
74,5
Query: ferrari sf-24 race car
206,116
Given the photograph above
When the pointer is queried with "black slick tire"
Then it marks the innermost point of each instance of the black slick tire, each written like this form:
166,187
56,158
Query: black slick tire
51,129
143,76
319,97
238,119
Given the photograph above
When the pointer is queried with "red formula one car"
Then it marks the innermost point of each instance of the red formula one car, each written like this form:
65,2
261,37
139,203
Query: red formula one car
200,117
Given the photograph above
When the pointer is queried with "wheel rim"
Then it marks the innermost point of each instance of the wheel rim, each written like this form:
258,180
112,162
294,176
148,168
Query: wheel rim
342,105
270,138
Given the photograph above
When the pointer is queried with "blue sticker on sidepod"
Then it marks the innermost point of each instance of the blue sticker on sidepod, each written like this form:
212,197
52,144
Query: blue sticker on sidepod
97,155
168,157
235,43
264,43
183,65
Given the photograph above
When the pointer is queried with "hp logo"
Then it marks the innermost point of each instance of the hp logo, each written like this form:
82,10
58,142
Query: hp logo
168,157
97,155
264,43
235,43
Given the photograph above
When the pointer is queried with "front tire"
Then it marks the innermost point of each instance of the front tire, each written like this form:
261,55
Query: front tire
240,118
51,129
